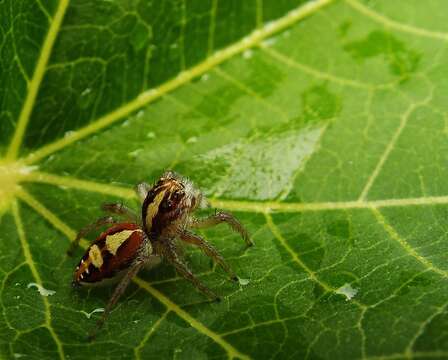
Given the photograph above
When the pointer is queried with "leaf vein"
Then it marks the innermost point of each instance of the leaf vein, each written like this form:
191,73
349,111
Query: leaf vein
170,305
314,72
395,24
151,331
184,77
313,276
34,84
405,245
239,205
390,146
30,262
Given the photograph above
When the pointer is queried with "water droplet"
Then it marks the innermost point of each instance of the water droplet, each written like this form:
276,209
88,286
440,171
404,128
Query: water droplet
182,76
148,95
135,153
17,284
174,45
17,355
192,140
205,77
269,42
151,135
347,291
88,315
243,282
17,297
269,26
247,54
50,158
41,289
68,133
247,39
25,170
86,98
140,114
125,123
86,92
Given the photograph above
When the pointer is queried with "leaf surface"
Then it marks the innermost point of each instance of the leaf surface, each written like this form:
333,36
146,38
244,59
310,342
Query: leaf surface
321,125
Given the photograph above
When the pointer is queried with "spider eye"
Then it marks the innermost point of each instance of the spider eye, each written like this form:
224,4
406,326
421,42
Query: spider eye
166,205
176,196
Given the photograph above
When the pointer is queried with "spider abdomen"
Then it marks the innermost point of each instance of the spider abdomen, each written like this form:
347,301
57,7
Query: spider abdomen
112,252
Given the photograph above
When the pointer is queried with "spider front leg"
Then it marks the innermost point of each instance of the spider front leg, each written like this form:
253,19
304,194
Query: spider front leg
208,250
142,190
169,252
222,217
121,210
119,290
85,230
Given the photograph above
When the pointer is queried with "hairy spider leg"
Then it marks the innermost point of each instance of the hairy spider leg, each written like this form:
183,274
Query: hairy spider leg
208,250
88,228
169,252
142,190
222,217
121,210
119,290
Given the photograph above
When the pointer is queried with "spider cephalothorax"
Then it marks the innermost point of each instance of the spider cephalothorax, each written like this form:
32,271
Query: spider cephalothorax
168,204
166,218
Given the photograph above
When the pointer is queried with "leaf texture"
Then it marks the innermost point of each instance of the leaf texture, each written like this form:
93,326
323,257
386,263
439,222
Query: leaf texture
322,125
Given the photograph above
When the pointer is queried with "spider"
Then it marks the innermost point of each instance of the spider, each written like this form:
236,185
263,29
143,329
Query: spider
166,217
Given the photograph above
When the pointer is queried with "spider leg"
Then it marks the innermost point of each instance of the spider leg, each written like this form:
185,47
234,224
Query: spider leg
222,217
169,252
119,290
120,210
142,190
208,250
85,230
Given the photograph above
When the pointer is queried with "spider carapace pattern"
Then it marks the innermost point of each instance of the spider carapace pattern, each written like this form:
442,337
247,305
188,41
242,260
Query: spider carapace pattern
167,218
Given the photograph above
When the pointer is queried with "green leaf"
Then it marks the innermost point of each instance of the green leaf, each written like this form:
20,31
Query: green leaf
322,125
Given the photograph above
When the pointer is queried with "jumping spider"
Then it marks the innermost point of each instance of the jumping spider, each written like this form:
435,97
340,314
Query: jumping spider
166,216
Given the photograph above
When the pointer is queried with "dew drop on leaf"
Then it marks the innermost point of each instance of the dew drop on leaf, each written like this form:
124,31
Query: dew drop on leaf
86,98
269,42
135,153
348,291
89,315
247,54
41,289
86,92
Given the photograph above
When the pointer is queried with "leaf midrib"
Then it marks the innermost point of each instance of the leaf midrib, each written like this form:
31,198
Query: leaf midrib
238,205
253,39
143,99
34,84
170,305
